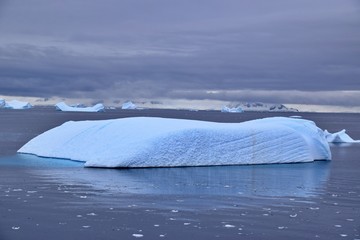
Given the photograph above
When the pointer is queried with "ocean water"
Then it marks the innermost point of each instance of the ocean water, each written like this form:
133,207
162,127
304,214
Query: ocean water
59,198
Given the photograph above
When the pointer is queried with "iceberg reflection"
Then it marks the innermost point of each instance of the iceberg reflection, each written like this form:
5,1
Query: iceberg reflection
273,180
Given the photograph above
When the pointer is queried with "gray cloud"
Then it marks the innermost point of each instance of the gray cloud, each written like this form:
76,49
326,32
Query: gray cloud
154,49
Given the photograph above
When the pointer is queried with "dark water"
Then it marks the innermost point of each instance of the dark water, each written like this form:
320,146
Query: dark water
57,199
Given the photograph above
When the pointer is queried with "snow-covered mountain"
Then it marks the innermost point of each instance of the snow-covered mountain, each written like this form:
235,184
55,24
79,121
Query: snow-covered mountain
259,107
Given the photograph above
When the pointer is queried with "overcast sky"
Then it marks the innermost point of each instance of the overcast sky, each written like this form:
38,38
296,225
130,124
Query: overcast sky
280,51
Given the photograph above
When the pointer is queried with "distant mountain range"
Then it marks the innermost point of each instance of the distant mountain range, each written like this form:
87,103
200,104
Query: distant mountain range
257,107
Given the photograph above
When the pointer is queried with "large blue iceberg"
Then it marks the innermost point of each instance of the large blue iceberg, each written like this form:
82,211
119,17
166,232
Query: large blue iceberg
161,142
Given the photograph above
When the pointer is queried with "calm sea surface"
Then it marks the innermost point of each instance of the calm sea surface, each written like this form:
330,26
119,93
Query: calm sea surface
55,198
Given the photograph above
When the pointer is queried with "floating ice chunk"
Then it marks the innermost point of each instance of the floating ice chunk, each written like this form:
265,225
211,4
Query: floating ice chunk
15,104
61,106
232,110
137,235
128,105
339,137
160,142
229,226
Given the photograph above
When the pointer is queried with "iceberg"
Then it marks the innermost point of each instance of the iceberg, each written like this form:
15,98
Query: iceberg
232,110
2,103
339,137
61,106
160,142
15,104
128,105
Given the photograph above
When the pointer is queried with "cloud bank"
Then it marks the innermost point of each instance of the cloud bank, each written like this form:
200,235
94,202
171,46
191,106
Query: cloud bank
301,52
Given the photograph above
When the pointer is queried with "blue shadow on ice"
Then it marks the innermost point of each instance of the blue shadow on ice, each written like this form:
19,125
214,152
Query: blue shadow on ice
28,160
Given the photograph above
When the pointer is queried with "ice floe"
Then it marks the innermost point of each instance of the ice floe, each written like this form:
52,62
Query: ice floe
161,142
339,137
61,106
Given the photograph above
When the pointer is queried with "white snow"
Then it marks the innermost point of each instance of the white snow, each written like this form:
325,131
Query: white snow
160,142
339,137
15,104
61,106
128,105
232,110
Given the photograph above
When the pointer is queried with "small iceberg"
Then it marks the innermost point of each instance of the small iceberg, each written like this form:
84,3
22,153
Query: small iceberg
339,137
15,104
128,105
160,142
232,110
61,106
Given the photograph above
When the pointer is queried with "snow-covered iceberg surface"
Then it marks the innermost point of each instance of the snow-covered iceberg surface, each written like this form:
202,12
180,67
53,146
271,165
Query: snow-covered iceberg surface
339,137
128,105
61,106
160,142
15,104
